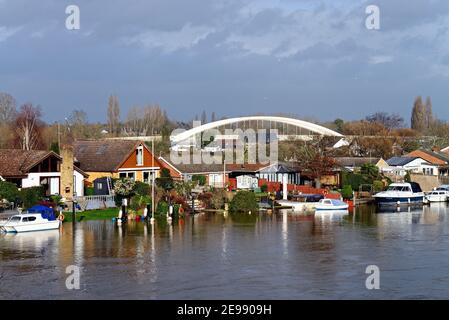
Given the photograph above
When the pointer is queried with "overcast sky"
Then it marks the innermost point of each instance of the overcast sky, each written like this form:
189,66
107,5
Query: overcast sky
312,58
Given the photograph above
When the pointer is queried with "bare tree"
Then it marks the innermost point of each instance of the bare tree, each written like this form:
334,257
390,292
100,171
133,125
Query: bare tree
389,121
7,108
29,127
148,120
79,124
113,115
203,117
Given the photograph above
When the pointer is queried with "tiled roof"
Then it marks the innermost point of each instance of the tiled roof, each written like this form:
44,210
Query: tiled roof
17,162
355,161
433,157
102,155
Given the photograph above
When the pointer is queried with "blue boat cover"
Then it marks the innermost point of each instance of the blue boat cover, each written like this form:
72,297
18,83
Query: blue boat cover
46,212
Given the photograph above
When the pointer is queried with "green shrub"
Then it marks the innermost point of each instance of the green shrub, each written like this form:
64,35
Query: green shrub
138,202
378,185
244,201
31,196
89,191
162,207
56,199
141,188
200,179
8,191
347,192
264,188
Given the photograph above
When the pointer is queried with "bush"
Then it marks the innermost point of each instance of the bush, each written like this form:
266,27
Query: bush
89,191
8,191
378,185
162,207
217,200
31,196
200,179
264,188
141,188
139,202
244,201
347,192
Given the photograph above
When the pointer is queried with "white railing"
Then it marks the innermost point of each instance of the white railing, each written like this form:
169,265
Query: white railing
96,202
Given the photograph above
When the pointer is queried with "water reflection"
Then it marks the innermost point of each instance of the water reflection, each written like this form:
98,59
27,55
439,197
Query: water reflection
266,255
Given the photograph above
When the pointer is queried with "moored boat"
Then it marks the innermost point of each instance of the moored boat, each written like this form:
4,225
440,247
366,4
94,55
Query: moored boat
407,193
331,204
45,220
436,196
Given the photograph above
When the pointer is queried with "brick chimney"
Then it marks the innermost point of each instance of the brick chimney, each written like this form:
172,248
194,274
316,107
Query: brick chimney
67,171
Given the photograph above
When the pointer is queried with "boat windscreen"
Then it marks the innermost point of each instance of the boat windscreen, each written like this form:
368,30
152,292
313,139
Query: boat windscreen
416,188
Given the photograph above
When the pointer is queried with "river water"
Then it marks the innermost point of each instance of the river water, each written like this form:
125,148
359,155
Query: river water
258,256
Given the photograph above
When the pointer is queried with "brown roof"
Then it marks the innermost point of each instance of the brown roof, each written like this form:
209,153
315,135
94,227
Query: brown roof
17,162
432,157
102,155
355,161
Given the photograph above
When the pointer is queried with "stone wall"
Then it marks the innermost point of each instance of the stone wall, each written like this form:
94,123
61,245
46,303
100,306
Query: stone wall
427,183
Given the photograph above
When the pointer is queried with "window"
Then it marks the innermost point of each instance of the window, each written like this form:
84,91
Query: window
147,177
139,156
29,219
130,175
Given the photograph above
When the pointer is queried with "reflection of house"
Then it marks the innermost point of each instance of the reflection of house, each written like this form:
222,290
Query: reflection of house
32,168
116,159
401,165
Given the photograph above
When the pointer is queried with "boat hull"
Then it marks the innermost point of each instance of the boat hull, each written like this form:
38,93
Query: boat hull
399,200
298,206
19,228
331,208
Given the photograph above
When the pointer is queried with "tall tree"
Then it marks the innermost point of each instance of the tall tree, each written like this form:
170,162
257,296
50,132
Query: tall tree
113,115
79,123
203,117
28,127
7,108
419,116
429,113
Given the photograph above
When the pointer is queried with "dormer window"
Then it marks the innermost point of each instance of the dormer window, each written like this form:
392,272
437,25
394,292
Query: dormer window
139,156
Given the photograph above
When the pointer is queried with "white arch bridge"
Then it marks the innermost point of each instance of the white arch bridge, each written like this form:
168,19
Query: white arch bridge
287,128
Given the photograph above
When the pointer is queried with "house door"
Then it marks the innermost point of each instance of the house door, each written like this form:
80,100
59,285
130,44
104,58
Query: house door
54,186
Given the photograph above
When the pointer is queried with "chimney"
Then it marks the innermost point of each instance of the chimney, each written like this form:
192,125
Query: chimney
67,172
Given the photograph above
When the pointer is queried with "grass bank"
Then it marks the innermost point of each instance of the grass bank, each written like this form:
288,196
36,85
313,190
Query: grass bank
102,214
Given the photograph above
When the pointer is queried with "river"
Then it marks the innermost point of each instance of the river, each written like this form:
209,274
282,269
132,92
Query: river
258,256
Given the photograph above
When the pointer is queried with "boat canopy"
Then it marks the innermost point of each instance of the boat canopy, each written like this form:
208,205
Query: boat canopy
46,212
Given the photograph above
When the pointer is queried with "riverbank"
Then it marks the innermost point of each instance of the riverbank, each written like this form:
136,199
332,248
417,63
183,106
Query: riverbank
102,214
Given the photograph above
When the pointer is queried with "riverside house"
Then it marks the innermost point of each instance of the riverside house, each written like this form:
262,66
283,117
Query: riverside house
116,159
33,168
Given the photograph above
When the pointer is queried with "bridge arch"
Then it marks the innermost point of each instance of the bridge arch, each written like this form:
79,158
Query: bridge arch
317,129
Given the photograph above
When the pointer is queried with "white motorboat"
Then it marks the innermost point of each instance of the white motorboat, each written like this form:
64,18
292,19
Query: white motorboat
436,196
301,203
331,204
29,222
400,194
